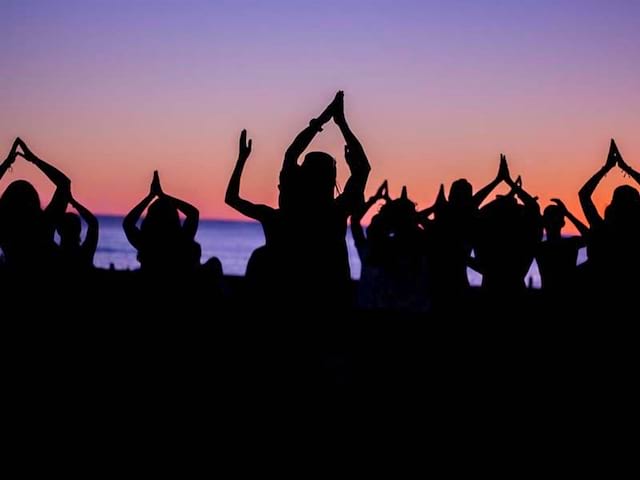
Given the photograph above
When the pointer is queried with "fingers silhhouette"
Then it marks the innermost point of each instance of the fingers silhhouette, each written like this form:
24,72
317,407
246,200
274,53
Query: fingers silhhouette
612,156
244,148
503,170
338,107
156,189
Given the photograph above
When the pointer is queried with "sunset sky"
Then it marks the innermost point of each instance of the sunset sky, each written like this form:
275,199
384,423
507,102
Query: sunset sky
108,91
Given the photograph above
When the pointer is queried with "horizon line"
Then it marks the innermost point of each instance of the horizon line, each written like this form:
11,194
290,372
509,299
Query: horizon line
248,220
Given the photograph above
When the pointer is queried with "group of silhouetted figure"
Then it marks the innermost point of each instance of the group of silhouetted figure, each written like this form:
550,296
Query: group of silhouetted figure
412,260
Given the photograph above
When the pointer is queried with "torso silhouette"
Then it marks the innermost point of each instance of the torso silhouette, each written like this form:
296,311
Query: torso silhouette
507,240
612,249
172,254
450,241
264,265
313,251
75,258
557,260
28,248
315,244
394,273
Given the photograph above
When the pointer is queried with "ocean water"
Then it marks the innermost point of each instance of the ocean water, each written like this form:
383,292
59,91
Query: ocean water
232,243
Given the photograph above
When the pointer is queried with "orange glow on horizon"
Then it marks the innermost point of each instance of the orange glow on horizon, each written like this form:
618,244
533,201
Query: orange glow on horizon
435,92
112,179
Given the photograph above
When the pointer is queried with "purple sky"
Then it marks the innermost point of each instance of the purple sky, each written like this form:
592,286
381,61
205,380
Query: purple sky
111,90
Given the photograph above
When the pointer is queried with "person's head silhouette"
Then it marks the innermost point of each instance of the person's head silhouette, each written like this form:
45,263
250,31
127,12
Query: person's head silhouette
461,193
624,206
319,176
553,219
21,200
399,215
162,219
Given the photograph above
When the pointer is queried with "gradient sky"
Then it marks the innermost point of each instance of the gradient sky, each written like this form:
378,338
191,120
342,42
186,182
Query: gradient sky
108,91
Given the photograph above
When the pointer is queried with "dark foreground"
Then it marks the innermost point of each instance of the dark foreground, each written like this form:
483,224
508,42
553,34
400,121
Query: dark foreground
154,358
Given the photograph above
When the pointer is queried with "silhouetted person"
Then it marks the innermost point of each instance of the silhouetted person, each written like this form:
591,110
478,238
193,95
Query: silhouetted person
165,245
77,255
612,244
26,230
315,253
557,256
262,264
394,273
508,236
452,232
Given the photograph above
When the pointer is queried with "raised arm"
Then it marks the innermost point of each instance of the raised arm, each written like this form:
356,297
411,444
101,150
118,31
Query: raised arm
588,207
356,227
304,138
357,161
582,228
58,204
503,173
232,197
627,168
6,164
131,230
516,185
59,179
90,243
